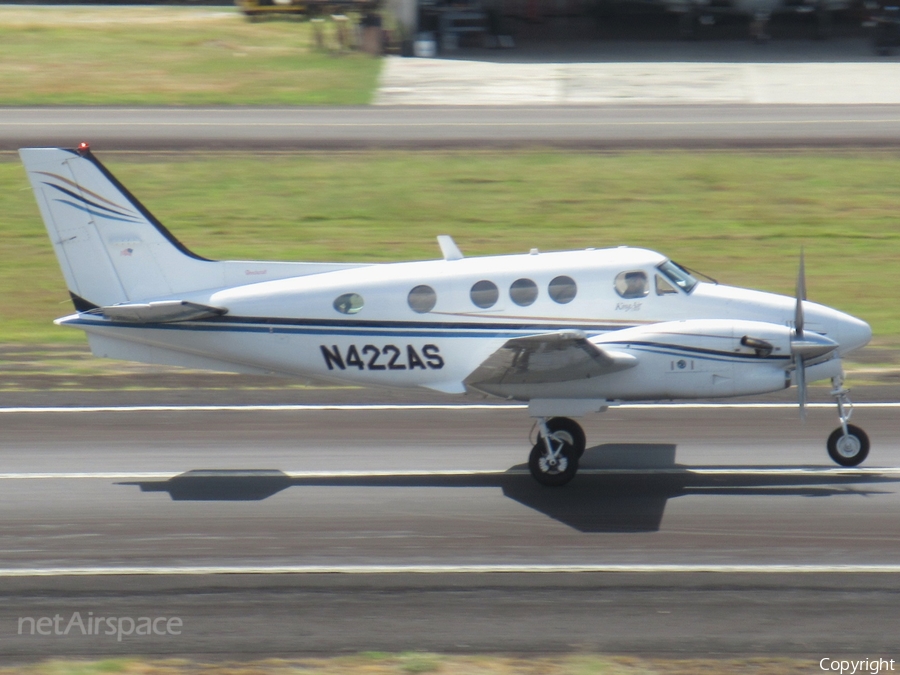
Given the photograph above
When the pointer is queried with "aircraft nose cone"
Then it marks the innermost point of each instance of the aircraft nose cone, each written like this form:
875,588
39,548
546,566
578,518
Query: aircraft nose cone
853,334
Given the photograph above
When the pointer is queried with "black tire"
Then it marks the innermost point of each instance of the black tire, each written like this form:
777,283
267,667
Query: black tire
852,451
570,431
553,476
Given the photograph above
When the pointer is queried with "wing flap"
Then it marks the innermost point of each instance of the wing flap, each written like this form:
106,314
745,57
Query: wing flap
546,358
162,311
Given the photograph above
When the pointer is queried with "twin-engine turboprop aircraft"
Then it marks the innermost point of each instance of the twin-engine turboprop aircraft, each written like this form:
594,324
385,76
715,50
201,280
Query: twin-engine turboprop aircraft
570,332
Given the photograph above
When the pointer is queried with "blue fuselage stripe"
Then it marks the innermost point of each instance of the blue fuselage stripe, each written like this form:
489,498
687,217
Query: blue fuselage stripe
347,329
343,330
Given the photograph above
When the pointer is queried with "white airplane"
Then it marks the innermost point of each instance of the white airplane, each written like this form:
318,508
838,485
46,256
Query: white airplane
569,332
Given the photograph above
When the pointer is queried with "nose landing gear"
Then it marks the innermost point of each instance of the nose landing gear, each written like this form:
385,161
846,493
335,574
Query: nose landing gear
554,458
848,445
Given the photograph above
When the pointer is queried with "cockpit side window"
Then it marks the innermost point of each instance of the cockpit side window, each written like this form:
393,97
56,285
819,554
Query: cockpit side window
678,275
632,284
663,287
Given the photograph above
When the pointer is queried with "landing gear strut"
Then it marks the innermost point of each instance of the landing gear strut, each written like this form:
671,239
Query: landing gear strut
848,445
554,458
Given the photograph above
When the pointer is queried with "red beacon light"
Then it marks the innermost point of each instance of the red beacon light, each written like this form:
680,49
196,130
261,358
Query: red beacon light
83,148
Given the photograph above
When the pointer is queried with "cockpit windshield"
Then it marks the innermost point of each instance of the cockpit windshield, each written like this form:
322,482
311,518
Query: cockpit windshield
678,275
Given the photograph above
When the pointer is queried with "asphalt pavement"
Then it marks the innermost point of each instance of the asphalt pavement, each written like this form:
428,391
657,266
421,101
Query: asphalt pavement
296,531
614,126
260,617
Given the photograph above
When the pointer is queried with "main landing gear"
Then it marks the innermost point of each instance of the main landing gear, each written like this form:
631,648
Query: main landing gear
848,445
554,458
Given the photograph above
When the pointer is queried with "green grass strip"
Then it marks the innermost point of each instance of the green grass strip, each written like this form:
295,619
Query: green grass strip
412,663
739,217
172,56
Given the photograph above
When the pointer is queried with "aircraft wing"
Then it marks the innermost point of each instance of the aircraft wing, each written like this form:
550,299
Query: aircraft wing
546,358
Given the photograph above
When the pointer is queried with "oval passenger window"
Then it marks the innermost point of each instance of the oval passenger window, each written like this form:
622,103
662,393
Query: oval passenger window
484,294
562,290
422,299
523,292
348,303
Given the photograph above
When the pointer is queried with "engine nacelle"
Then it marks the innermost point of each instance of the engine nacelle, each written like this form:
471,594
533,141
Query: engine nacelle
701,358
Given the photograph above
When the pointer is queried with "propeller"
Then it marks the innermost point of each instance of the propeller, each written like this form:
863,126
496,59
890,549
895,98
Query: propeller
801,296
805,346
800,372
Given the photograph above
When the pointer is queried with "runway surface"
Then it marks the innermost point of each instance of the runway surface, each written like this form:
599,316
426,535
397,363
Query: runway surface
596,127
381,515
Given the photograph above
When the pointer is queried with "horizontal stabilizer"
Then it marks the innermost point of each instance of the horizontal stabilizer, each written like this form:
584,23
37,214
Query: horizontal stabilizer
163,311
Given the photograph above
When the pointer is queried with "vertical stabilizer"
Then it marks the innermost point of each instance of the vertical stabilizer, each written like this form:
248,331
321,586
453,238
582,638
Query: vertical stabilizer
111,249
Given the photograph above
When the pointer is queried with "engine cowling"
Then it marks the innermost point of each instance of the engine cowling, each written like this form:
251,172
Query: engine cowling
703,358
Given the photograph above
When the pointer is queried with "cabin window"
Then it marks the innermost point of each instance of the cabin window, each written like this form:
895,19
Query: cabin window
663,287
678,275
484,294
632,284
562,290
523,292
348,303
422,299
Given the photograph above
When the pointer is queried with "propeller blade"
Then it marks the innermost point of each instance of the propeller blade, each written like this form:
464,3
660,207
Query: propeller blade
798,343
801,296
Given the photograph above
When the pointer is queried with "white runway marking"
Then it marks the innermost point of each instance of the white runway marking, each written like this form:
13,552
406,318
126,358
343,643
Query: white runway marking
263,408
447,569
416,406
824,472
203,113
451,124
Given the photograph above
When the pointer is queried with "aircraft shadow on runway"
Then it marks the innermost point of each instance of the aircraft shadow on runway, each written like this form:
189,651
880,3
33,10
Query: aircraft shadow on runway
620,487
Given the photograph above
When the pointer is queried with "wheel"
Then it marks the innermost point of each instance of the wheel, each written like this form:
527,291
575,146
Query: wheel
569,431
549,472
849,450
